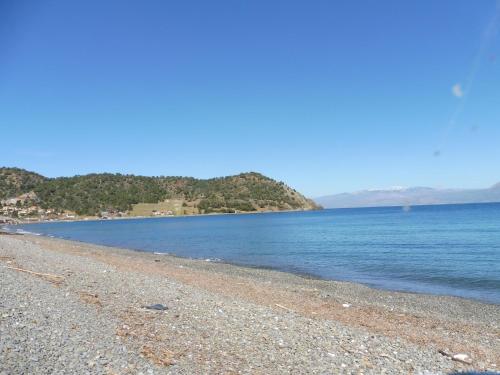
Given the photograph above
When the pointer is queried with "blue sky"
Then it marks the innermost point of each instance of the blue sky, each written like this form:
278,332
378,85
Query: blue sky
326,96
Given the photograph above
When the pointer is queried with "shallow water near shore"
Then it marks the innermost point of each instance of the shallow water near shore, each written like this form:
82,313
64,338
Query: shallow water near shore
448,249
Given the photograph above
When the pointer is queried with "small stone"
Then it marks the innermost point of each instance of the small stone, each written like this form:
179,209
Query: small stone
157,306
462,357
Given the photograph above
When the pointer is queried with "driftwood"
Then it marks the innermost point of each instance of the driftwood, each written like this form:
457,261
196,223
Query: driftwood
387,356
462,358
56,277
346,349
284,307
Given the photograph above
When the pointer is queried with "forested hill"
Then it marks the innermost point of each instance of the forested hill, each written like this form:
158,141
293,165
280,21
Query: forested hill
93,193
16,181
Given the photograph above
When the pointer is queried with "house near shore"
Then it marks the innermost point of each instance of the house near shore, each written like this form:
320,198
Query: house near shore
109,214
162,213
8,220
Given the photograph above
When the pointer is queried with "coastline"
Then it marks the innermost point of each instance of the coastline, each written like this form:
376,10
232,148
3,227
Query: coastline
420,324
389,289
91,218
304,275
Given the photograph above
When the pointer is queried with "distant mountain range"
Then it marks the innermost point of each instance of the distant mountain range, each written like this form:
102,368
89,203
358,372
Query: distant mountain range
410,197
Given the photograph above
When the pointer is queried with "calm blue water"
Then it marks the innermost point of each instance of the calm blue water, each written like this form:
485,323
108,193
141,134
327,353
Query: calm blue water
452,249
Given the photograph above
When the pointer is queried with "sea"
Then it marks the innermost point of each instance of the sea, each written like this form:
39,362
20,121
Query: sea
442,249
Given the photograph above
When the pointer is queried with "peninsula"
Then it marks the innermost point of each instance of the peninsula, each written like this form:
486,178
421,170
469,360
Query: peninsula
30,196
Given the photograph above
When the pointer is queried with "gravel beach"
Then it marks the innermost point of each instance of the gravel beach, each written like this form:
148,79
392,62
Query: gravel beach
75,308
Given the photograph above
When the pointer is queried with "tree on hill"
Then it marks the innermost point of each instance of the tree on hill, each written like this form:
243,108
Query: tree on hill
90,194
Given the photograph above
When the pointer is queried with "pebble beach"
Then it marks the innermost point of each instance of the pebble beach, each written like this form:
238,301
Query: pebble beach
74,308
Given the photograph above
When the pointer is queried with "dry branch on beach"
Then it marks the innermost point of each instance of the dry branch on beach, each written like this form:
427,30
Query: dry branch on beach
56,279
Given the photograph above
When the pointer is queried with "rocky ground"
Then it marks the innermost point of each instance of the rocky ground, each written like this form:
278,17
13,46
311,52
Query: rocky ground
73,308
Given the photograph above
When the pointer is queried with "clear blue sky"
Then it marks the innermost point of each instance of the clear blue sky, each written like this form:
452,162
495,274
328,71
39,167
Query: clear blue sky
325,96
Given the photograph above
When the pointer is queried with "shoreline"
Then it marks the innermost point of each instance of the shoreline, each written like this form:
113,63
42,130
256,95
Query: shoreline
262,269
420,325
304,275
91,218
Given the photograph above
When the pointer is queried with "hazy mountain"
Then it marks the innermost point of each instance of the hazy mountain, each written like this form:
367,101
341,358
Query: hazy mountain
410,197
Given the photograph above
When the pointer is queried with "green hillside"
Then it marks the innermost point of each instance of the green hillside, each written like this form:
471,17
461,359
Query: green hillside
16,181
94,193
